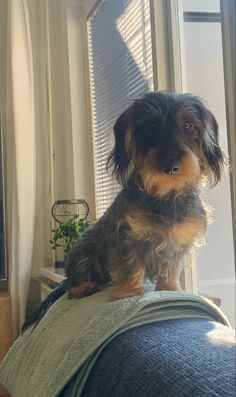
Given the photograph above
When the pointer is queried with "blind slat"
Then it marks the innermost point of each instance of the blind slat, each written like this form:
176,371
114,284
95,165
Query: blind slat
120,57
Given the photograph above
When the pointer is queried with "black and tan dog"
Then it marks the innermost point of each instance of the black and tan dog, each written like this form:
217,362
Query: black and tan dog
166,146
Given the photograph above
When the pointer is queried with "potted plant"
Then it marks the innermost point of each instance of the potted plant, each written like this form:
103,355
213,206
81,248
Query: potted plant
64,237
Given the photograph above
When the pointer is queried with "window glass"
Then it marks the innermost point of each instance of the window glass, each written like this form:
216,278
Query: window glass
201,5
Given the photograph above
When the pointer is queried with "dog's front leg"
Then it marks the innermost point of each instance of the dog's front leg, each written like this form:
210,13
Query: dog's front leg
127,270
169,277
126,287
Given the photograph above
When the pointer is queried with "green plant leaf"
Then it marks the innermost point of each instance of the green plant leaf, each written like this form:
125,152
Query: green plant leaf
67,233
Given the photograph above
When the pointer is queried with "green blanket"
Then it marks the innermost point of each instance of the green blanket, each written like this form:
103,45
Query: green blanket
73,332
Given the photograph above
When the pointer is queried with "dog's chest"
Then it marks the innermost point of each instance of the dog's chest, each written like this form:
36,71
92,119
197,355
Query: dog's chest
174,222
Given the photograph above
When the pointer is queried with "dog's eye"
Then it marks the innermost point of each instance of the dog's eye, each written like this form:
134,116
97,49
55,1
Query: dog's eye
187,125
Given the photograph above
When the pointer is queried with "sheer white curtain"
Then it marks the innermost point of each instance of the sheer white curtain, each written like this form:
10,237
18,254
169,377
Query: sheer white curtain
27,150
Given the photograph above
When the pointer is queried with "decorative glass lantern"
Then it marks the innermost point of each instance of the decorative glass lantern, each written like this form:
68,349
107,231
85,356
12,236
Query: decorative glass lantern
66,209
71,220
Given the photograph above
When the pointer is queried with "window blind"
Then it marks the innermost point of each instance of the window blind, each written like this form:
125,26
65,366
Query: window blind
120,59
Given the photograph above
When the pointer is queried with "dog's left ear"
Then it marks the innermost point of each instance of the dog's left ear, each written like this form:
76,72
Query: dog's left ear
213,152
121,156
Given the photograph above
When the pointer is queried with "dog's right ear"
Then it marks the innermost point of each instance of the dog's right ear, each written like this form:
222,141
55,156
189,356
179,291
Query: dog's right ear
121,156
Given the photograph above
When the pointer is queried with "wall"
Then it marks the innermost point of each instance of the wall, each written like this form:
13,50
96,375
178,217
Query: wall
80,104
59,101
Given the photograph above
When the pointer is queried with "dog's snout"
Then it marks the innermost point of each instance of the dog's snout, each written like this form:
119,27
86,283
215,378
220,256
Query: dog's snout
170,161
171,170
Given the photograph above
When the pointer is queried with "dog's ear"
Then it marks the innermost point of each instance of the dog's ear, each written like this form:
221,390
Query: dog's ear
121,156
215,159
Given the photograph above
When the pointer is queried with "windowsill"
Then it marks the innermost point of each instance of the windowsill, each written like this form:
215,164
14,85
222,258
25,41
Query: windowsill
52,274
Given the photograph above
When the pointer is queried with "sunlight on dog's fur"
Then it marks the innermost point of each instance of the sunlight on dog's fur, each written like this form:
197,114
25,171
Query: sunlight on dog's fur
166,145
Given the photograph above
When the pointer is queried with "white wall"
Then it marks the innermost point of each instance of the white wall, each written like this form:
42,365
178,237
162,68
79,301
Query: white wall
59,101
69,101
80,104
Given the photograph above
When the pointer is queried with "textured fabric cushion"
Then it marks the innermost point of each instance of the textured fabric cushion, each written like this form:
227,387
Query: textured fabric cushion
72,334
176,358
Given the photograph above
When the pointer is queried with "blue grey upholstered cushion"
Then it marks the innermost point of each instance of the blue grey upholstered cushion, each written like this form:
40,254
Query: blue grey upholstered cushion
176,358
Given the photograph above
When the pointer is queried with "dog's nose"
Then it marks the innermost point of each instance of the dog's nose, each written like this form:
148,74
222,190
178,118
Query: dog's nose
170,170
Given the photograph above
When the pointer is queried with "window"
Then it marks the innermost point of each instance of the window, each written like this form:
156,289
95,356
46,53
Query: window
204,76
120,52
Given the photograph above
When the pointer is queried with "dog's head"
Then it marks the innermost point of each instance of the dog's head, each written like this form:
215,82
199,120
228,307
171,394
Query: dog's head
170,141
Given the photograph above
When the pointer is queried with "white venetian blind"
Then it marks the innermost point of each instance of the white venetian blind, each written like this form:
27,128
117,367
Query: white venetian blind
120,54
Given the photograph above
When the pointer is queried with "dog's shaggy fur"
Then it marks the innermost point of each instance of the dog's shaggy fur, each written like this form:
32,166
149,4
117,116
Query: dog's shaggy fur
166,145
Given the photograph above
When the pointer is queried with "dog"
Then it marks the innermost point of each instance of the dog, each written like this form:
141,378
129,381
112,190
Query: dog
166,149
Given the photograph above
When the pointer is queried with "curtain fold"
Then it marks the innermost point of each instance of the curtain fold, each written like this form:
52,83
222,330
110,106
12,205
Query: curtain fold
28,151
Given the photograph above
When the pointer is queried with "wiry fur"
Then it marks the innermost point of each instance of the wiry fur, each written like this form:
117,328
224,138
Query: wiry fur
166,145
158,216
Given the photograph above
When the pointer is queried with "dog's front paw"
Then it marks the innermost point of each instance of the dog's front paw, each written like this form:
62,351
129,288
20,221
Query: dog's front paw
84,289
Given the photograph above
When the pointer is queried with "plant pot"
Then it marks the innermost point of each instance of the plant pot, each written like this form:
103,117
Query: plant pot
59,266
